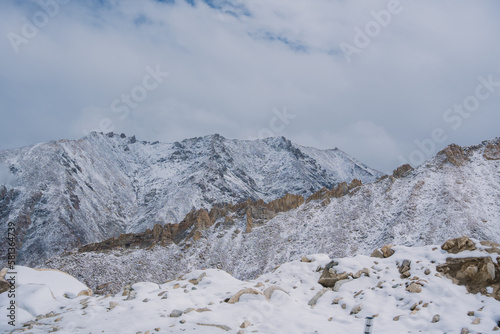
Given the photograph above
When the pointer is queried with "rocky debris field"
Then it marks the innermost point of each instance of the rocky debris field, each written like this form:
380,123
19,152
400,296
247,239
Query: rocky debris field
451,288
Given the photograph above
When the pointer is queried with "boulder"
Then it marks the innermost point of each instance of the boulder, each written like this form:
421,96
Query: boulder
475,273
329,276
458,245
175,313
414,288
404,268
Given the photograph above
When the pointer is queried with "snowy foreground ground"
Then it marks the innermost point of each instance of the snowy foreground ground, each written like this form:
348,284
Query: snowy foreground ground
198,302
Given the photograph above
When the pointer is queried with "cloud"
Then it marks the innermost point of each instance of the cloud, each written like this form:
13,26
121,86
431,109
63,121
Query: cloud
231,63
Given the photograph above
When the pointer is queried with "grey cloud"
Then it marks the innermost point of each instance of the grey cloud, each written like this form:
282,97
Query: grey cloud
227,77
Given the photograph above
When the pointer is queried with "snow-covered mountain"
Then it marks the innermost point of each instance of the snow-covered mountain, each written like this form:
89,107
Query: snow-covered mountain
455,193
67,193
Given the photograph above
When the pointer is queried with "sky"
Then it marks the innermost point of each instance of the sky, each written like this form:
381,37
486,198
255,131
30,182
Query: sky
388,82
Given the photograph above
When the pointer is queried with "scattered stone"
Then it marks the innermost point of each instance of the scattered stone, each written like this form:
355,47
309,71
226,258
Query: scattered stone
198,280
414,288
245,324
436,318
182,321
470,313
270,290
344,306
464,331
377,253
177,286
337,300
205,309
315,299
112,305
259,285
189,309
175,314
387,251
305,259
236,298
404,268
476,321
338,284
330,319
396,318
427,271
356,309
158,329
365,271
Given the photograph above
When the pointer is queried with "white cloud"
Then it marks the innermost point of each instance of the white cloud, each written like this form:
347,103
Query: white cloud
228,72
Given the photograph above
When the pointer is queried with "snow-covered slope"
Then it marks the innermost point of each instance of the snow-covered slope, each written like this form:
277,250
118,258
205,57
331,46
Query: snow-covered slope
286,300
455,193
67,193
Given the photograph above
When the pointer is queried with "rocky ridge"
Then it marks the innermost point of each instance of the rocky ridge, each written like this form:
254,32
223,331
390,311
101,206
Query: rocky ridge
414,207
68,193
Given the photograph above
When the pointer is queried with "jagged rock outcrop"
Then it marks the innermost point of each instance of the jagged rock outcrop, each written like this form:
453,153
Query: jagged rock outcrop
340,190
401,171
454,154
192,226
477,274
492,151
458,245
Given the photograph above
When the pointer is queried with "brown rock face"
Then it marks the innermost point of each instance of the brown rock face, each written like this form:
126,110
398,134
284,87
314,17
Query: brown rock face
341,190
475,273
192,226
454,154
458,245
401,171
492,151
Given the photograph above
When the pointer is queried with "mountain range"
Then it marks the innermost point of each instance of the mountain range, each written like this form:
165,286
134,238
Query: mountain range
67,193
455,193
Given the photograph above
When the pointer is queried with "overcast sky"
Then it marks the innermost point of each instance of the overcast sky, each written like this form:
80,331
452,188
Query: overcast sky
369,77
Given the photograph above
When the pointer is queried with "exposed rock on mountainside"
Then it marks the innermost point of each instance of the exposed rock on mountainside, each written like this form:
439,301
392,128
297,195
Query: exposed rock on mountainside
477,274
492,151
68,193
402,171
454,154
435,202
255,213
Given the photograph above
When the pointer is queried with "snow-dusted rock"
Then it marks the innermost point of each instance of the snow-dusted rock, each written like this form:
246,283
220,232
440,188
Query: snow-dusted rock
72,192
